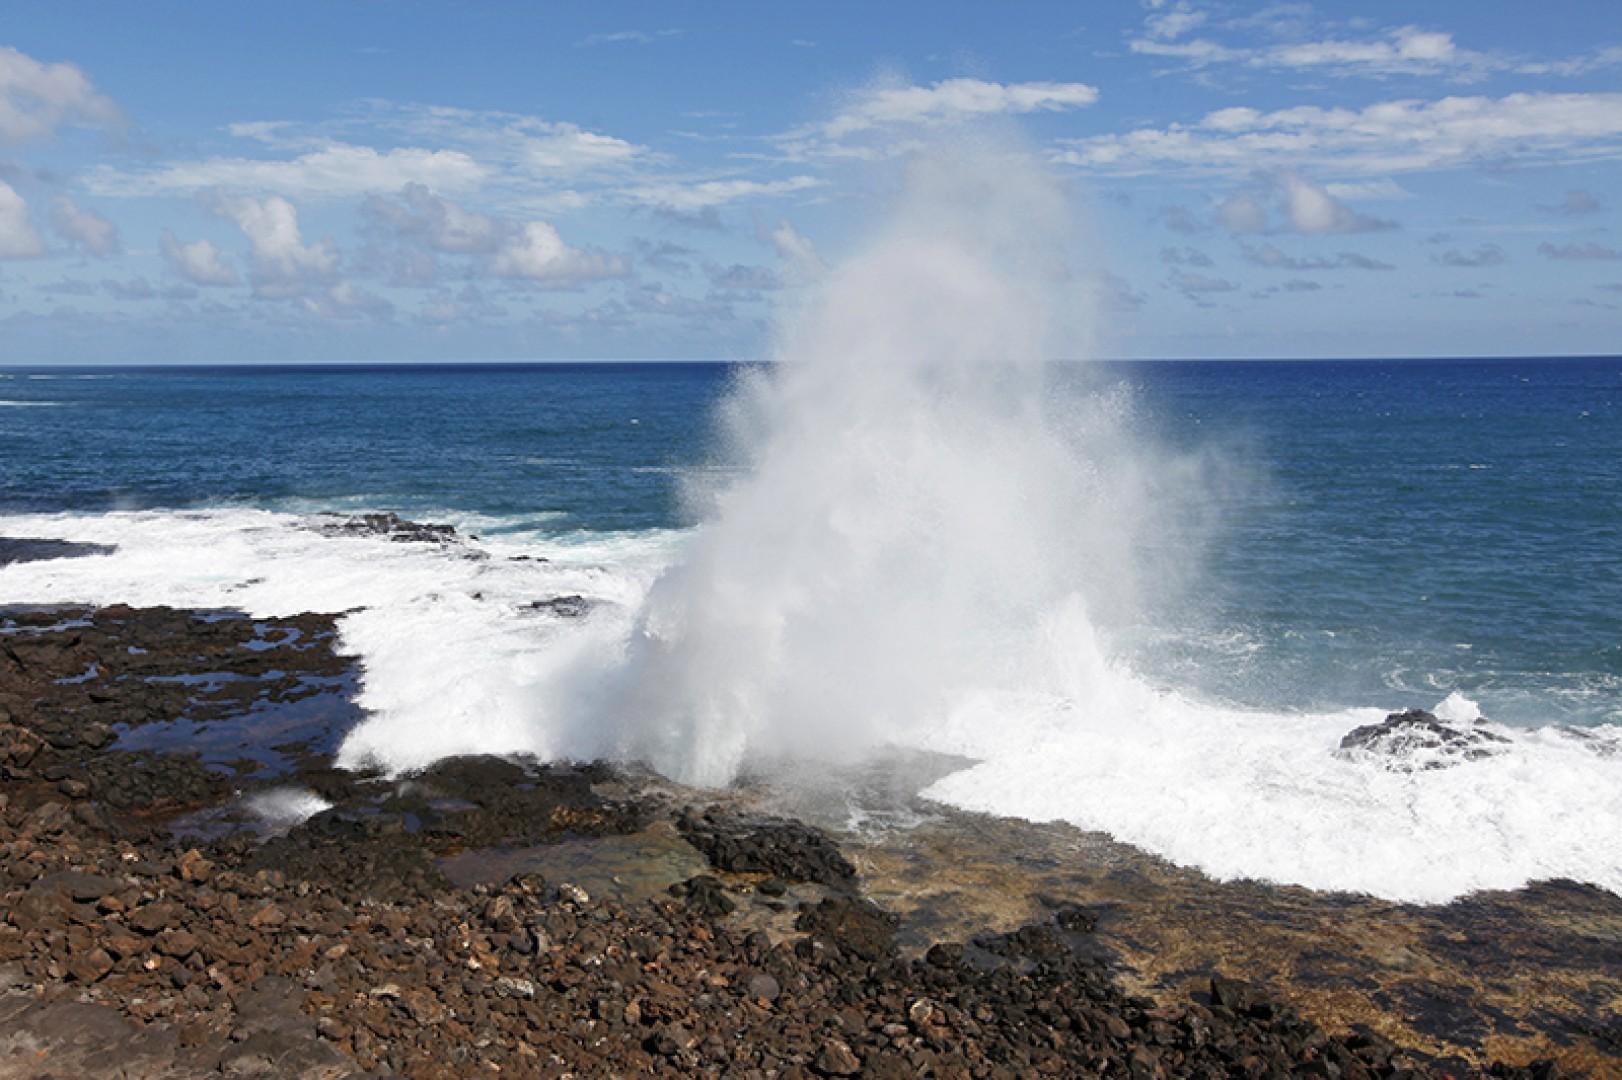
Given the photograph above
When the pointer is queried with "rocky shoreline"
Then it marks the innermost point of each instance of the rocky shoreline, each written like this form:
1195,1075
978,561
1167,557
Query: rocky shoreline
168,911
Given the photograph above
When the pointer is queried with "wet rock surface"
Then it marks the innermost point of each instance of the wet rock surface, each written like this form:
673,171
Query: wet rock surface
337,946
776,846
1418,740
19,549
389,525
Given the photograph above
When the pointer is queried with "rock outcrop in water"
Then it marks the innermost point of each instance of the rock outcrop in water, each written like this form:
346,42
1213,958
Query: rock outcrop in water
1417,739
23,549
389,525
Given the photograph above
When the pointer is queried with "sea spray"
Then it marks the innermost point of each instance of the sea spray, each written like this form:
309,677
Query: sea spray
912,511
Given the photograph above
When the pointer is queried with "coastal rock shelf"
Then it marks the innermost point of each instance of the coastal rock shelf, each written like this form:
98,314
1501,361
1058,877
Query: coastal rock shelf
190,888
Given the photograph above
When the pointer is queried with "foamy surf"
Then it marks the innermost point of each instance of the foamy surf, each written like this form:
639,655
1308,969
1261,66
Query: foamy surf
453,661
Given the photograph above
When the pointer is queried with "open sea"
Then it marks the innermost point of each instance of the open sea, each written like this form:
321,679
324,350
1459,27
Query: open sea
1395,535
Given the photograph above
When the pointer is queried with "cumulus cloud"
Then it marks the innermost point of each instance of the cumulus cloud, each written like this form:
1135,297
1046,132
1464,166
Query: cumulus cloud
950,100
797,251
85,229
1195,285
284,266
1402,50
1576,203
1186,256
425,224
704,194
333,171
665,256
1270,256
739,277
1589,252
38,98
417,213
199,262
1485,255
1386,137
18,237
536,252
1165,25
1286,202
1179,220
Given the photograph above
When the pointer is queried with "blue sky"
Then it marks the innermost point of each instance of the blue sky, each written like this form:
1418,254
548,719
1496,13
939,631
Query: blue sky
406,180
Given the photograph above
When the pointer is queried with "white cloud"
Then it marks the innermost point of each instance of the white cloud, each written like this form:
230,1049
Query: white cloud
199,262
333,171
18,237
1195,285
797,251
1485,255
1286,202
38,98
284,265
1168,25
428,225
1271,257
742,278
1383,189
565,148
88,230
700,195
1589,252
1576,203
1403,50
1186,256
345,301
626,37
953,100
438,223
1386,137
536,252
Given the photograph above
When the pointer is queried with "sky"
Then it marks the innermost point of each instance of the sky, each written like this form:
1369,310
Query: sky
405,180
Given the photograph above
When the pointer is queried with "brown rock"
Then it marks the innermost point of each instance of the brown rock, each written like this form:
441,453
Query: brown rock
267,917
836,1059
177,943
87,967
151,918
193,867
18,746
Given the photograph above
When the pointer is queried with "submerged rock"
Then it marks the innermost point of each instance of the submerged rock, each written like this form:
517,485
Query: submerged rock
14,549
390,525
1417,739
563,607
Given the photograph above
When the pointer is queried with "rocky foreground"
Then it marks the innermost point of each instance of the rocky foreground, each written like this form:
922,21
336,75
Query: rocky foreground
157,917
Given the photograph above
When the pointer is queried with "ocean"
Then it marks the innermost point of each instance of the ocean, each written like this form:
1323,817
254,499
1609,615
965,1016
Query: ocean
1353,538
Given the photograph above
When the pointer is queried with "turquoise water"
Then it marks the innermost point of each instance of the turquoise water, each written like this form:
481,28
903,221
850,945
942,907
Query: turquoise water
1403,529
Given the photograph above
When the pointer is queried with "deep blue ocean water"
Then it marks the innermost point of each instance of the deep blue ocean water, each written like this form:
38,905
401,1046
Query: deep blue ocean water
1407,529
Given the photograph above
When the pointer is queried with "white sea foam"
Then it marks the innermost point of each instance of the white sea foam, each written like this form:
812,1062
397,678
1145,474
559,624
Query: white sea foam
286,806
1234,793
452,663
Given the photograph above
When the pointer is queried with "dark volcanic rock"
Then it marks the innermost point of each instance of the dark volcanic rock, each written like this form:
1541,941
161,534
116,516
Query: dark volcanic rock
389,525
1418,740
563,607
785,849
22,549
